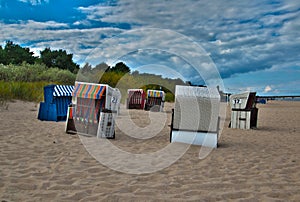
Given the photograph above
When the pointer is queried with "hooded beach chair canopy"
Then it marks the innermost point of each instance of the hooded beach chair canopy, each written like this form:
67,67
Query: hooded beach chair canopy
244,100
89,90
156,93
62,90
196,116
196,108
135,90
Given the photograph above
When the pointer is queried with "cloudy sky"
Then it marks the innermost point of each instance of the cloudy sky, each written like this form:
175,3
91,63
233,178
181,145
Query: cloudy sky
251,44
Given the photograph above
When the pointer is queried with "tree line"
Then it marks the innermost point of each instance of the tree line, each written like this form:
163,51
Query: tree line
14,54
121,77
18,64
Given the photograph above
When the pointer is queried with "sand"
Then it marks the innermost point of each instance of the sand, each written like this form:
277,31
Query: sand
40,162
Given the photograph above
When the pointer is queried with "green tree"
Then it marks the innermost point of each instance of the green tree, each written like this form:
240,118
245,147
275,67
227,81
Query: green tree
2,56
15,54
46,57
120,68
59,58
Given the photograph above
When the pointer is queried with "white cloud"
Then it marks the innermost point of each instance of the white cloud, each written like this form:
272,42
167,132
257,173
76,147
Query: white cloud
225,51
35,2
36,51
218,42
267,89
55,35
245,36
96,12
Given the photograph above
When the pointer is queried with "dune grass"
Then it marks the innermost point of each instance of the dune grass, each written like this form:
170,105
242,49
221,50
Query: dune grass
26,82
27,91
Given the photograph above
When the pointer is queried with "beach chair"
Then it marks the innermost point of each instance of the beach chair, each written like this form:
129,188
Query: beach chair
56,101
155,100
195,117
243,110
136,99
93,110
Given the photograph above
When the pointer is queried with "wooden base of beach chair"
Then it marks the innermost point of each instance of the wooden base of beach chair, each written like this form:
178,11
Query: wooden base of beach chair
195,138
70,128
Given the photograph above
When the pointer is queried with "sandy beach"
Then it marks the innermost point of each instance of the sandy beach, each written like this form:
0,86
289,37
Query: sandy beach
40,162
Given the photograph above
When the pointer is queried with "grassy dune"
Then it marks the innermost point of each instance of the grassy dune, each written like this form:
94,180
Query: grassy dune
26,82
28,91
